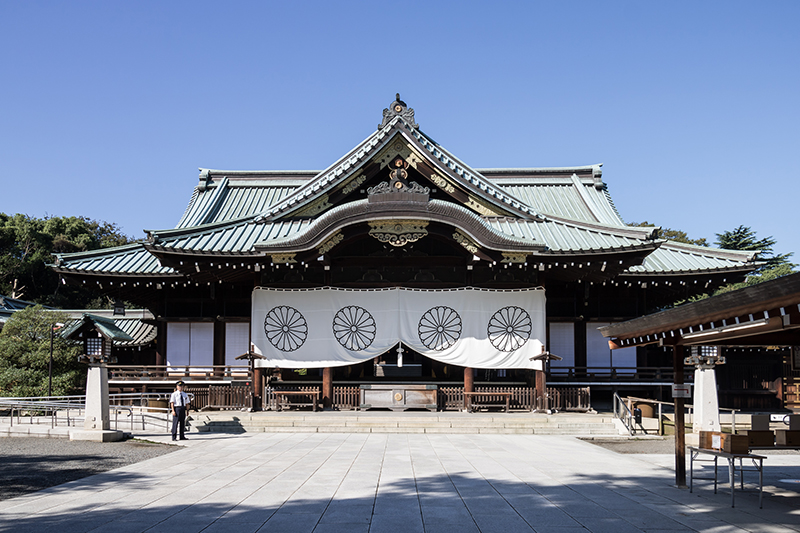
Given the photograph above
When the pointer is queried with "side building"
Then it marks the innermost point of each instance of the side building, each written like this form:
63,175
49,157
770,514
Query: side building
400,212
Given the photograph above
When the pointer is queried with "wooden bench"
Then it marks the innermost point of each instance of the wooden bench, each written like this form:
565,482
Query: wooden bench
283,397
469,398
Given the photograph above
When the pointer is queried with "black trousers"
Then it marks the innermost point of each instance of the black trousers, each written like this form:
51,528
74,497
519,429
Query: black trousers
179,420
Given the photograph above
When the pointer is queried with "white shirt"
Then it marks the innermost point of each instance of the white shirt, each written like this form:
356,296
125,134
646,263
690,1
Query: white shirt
179,398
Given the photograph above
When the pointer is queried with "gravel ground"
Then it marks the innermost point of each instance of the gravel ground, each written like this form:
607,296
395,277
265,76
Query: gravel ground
664,445
31,464
623,445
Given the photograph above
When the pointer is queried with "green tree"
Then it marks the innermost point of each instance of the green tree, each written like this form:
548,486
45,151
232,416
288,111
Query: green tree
25,356
744,238
26,247
672,234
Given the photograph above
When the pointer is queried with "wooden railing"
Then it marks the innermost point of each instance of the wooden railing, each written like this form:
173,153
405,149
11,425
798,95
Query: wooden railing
522,398
164,372
616,374
271,400
230,397
568,399
451,398
346,398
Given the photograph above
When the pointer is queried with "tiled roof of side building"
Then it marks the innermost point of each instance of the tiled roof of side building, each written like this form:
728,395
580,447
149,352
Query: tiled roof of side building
673,258
237,236
129,259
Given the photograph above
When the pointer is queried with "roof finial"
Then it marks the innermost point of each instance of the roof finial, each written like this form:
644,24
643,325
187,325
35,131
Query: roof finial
398,108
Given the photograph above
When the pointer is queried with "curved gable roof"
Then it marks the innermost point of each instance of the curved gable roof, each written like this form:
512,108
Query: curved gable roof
437,157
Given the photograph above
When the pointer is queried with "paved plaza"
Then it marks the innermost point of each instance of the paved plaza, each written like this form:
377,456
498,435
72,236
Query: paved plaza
340,482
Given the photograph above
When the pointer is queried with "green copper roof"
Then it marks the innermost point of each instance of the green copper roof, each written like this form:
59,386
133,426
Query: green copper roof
105,326
678,258
557,211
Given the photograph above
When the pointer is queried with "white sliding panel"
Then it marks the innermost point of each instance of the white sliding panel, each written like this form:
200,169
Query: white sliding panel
562,343
202,343
598,354
237,342
178,343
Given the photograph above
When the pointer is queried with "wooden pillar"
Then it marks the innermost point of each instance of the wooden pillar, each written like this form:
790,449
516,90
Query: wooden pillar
541,387
258,387
161,343
327,387
219,347
680,427
469,379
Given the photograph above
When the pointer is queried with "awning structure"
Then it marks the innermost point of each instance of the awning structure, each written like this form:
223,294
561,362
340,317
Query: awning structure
330,327
767,314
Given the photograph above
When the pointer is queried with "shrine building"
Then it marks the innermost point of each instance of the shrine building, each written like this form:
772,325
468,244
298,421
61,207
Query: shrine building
400,263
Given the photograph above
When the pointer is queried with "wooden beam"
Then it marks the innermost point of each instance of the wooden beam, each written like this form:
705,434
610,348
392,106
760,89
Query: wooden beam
680,427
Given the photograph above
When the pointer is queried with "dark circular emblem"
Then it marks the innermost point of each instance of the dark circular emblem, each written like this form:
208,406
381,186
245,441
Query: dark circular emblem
439,328
354,327
509,328
286,328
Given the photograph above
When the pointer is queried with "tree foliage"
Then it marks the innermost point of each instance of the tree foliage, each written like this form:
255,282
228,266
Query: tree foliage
25,356
26,247
672,234
744,238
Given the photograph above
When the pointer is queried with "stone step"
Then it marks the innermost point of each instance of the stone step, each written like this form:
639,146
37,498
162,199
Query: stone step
366,422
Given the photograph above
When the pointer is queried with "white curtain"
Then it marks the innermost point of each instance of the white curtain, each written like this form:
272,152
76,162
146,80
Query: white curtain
328,327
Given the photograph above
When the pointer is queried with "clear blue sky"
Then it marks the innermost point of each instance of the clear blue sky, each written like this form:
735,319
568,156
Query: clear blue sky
109,108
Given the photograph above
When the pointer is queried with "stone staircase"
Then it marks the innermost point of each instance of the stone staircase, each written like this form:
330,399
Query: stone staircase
575,424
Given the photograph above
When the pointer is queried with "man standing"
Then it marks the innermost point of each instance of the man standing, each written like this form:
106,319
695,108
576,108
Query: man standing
177,403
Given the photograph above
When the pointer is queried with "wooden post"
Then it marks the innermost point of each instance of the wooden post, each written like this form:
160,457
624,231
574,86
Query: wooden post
327,387
258,387
469,379
680,428
541,388
161,343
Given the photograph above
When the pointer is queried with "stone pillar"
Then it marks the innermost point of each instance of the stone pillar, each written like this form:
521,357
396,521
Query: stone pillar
706,405
327,387
680,427
97,411
96,424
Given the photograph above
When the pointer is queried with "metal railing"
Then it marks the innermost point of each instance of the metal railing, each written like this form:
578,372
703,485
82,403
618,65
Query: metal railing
623,411
70,410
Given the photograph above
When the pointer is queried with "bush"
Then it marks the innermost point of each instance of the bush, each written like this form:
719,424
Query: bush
25,356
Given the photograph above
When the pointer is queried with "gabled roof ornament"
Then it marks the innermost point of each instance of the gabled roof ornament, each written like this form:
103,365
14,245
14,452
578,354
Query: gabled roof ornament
400,108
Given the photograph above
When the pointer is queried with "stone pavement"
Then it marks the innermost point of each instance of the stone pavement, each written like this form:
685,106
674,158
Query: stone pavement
338,482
